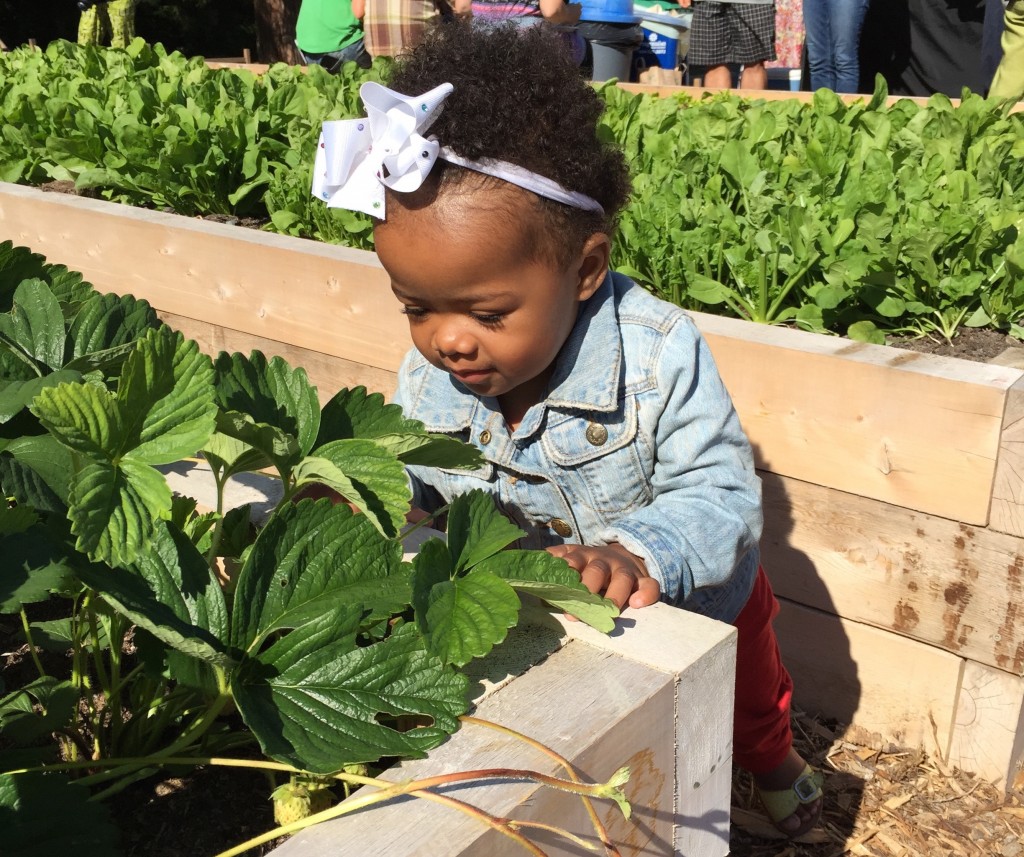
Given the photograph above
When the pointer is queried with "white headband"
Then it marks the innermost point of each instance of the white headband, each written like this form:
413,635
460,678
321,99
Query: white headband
357,158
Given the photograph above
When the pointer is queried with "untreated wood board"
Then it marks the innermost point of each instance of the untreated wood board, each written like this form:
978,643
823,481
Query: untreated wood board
915,430
890,688
329,374
1008,492
777,95
701,653
988,734
588,705
309,294
946,583
866,419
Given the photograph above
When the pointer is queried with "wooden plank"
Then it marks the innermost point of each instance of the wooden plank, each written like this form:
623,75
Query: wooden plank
1007,514
777,94
852,422
942,582
880,422
312,295
889,688
988,733
699,92
577,702
704,710
329,374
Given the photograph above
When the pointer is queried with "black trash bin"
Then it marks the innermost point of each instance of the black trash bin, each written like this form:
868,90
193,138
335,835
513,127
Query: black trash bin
612,33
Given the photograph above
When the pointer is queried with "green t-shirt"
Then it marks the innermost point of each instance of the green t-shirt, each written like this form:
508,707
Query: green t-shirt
326,25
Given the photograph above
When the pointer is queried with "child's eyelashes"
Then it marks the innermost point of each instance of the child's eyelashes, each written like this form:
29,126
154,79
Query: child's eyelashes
488,319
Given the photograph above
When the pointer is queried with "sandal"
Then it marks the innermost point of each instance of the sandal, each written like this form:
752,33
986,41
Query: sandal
782,803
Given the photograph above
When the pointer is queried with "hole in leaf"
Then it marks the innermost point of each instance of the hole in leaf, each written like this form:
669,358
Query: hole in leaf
404,722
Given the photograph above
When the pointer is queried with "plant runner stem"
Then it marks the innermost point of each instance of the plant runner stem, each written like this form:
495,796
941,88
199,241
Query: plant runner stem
610,848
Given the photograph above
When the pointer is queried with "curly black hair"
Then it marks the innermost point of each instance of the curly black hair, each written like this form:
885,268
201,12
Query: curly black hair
518,97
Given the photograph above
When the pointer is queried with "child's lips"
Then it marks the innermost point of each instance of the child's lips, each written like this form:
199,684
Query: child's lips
470,375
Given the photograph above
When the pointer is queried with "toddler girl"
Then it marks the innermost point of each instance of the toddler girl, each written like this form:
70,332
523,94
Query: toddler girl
608,435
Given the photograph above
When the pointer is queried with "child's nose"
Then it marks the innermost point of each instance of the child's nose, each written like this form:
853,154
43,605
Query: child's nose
453,339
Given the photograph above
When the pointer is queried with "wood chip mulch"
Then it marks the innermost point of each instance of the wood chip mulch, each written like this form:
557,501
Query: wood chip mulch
884,804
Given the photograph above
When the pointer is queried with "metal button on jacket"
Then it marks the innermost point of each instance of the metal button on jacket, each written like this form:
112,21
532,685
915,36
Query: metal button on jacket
560,527
597,434
485,436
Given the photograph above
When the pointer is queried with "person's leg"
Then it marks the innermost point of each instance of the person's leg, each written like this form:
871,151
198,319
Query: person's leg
818,44
122,22
89,28
709,45
752,41
754,76
1009,78
991,34
718,77
356,52
762,736
846,21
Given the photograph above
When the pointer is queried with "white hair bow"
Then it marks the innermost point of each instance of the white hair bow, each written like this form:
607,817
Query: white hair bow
356,158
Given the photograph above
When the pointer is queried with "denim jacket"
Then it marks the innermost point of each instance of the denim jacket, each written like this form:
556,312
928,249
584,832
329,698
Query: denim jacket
637,442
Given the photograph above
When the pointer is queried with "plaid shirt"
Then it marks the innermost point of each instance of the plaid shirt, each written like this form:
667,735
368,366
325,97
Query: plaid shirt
389,26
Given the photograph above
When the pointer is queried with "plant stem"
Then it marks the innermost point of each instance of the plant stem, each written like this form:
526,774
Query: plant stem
429,519
31,644
503,825
599,828
193,733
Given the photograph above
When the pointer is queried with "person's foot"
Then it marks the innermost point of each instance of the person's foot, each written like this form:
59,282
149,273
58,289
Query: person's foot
791,794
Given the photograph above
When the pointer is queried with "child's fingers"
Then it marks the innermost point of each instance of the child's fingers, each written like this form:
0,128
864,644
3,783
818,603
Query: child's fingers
648,592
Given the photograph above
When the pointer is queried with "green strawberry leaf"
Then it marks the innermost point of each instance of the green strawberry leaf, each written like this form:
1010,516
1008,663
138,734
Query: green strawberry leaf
166,398
369,477
271,393
108,324
37,709
35,325
263,443
554,581
316,701
477,530
464,617
27,802
34,563
356,414
15,396
113,509
37,471
170,592
310,556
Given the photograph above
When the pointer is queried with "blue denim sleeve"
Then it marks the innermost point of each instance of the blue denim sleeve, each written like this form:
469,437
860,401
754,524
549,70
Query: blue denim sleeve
705,518
425,495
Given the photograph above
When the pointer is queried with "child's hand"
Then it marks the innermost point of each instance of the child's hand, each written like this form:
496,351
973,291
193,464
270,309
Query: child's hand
611,571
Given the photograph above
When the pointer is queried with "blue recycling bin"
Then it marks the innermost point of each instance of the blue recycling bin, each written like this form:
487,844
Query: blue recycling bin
665,40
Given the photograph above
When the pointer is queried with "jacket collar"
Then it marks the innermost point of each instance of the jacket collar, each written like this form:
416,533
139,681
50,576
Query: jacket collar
587,375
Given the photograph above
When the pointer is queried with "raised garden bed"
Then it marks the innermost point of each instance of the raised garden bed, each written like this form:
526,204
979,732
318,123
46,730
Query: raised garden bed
891,479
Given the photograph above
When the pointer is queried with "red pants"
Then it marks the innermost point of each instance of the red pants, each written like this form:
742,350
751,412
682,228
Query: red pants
761,731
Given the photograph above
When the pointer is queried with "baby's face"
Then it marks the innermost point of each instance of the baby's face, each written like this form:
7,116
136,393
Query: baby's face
478,306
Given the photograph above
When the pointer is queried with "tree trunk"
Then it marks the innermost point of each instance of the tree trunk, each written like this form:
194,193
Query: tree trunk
275,30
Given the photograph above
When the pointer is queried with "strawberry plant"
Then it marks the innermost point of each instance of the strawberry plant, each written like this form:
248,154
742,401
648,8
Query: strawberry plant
328,650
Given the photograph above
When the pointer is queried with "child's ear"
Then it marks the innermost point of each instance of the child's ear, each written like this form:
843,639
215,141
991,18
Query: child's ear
592,264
